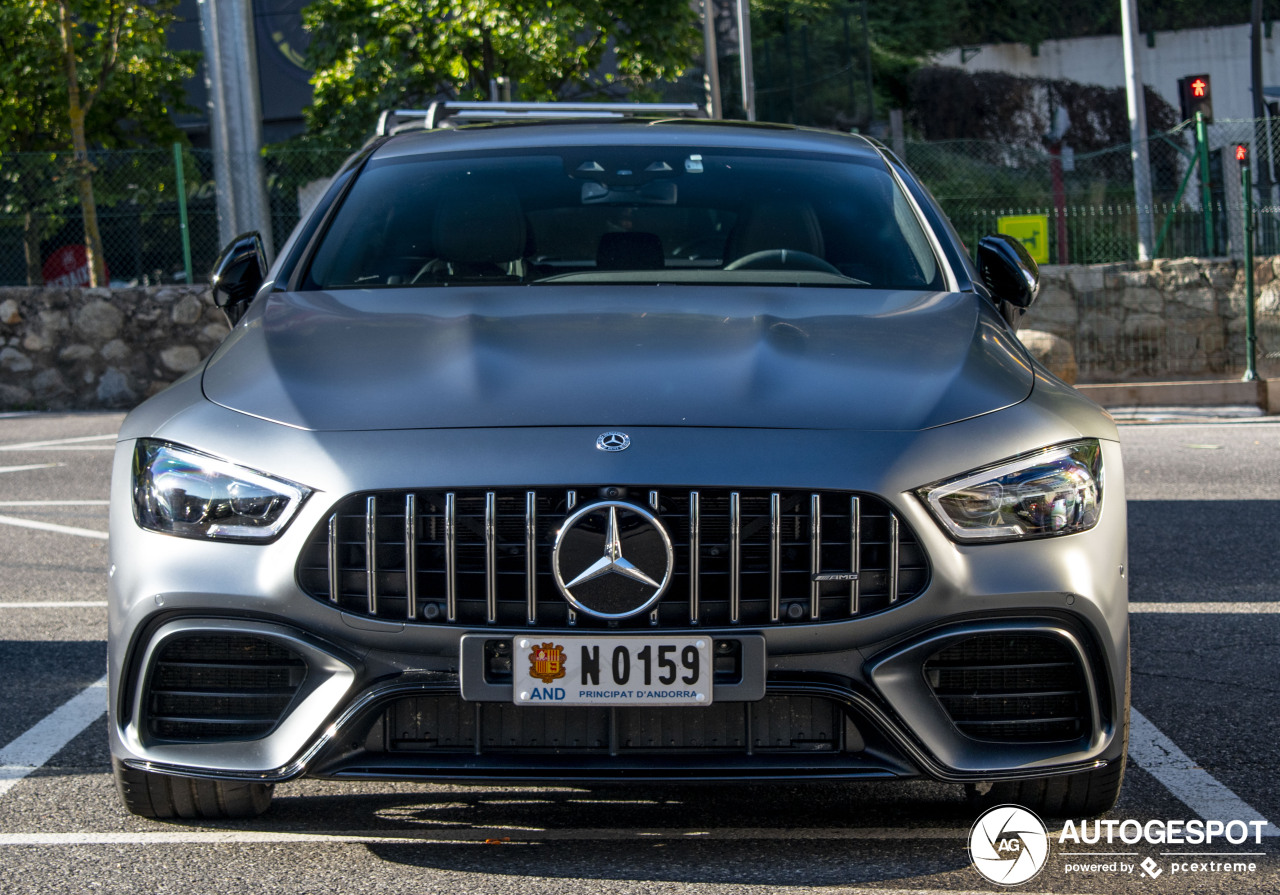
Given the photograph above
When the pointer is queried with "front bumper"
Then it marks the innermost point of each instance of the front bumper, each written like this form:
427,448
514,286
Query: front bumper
869,669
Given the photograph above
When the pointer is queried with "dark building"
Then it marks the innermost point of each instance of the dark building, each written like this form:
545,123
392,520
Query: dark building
283,77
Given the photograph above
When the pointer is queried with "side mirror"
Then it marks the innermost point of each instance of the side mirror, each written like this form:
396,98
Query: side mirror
1008,270
237,274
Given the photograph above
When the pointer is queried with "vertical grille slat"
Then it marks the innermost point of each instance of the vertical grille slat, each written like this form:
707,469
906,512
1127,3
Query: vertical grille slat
371,553
775,556
490,557
451,556
335,561
695,557
531,557
735,557
411,555
815,555
894,548
571,502
741,556
855,551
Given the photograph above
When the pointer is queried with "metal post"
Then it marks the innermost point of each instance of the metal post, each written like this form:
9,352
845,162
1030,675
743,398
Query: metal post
181,180
1137,129
235,118
866,50
1206,201
744,51
1250,332
711,57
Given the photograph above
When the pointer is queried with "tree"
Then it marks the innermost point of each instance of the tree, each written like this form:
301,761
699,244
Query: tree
84,74
371,55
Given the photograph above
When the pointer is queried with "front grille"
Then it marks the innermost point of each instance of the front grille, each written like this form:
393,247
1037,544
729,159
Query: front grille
741,557
1027,688
775,724
220,687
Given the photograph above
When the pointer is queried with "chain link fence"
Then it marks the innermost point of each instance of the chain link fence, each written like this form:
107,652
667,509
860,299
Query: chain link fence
139,215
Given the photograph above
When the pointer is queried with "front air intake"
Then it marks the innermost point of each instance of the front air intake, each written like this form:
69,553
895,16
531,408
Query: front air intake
220,687
1012,687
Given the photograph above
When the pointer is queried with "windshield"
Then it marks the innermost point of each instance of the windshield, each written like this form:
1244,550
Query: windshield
626,215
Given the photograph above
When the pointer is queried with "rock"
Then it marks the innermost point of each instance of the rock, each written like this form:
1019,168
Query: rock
187,310
34,342
1053,351
115,351
1145,326
74,353
99,320
180,358
9,314
53,321
1084,279
49,384
13,396
14,361
114,391
215,332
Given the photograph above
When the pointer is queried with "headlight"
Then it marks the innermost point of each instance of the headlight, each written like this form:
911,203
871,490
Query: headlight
1055,491
183,492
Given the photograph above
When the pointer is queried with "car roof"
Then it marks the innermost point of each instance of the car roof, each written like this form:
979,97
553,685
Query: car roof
664,132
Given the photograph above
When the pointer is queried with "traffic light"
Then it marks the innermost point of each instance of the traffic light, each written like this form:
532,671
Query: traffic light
1242,155
1196,96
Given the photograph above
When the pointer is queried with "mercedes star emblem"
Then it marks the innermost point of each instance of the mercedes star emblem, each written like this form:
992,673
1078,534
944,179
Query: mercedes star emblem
613,441
612,559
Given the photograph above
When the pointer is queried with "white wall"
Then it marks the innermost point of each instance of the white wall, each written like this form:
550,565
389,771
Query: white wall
1221,52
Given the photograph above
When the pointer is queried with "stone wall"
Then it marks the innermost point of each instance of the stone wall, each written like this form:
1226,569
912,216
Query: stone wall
1155,320
82,349
69,348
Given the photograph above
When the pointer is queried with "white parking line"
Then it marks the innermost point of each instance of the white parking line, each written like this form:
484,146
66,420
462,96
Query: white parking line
1160,757
53,604
478,834
50,526
30,466
54,503
46,739
1268,607
56,442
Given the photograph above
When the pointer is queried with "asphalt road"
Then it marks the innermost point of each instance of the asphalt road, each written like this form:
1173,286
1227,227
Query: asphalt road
1205,528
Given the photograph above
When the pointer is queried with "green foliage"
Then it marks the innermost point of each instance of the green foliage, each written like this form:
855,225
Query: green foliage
371,55
128,78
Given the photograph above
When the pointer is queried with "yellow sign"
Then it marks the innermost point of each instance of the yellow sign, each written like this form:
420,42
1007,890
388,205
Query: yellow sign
1032,230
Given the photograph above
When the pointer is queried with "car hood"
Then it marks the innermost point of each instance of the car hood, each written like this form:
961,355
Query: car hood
548,355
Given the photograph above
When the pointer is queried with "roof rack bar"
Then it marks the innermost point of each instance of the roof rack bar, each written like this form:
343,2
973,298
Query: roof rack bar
437,112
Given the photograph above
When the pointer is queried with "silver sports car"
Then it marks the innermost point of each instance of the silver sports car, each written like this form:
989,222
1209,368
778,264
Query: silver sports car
618,446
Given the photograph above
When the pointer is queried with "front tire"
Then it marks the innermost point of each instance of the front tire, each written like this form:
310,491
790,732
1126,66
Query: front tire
165,797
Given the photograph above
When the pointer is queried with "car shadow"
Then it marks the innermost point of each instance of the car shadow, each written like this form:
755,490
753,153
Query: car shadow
813,834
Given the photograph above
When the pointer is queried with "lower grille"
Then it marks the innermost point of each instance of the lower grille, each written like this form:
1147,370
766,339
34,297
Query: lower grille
776,724
220,687
1010,687
741,557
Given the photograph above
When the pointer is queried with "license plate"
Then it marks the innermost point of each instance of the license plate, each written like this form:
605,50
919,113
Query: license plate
612,670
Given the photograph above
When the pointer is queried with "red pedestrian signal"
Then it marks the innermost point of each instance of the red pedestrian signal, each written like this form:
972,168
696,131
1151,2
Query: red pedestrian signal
1242,154
1196,95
